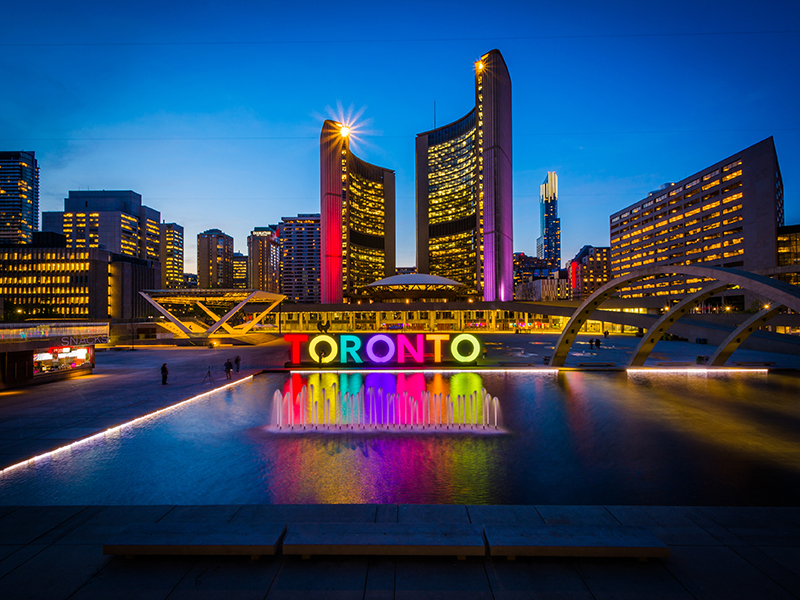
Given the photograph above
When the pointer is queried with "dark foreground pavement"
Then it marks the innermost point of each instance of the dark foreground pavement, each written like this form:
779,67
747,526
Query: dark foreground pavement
56,552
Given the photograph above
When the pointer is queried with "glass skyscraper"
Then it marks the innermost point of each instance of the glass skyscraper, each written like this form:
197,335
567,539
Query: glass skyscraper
548,245
464,191
19,197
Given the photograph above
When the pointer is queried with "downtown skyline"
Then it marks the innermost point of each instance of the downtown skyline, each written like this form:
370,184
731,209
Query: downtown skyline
215,119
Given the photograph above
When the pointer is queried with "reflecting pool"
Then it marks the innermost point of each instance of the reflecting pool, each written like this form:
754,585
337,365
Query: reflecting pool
568,438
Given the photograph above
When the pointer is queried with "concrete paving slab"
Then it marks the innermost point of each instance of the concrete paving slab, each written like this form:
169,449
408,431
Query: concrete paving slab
483,514
26,524
756,525
306,513
386,513
330,578
54,573
4,510
718,572
15,559
7,550
623,578
108,521
551,579
383,539
723,534
773,569
232,578
432,513
145,578
668,523
789,558
789,513
381,573
576,515
441,578
200,514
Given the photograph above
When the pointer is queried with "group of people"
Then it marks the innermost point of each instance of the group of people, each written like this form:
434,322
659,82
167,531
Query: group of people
595,343
228,367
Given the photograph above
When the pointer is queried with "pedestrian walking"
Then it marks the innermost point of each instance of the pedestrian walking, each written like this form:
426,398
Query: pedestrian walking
605,334
164,373
597,343
228,368
237,361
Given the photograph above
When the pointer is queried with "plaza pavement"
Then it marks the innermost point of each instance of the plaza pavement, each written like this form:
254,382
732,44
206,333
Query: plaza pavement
56,551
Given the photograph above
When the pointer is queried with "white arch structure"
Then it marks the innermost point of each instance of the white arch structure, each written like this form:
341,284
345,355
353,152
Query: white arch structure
781,294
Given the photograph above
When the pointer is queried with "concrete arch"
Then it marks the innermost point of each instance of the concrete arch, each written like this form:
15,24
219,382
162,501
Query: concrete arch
740,334
777,291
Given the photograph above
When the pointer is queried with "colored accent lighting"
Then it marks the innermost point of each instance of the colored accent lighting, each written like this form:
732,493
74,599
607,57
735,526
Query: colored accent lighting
381,348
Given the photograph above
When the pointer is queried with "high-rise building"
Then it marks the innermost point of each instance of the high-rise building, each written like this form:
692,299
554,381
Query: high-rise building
113,220
464,191
214,259
789,252
357,218
528,268
264,250
300,258
588,271
171,255
189,281
548,245
726,215
240,270
19,197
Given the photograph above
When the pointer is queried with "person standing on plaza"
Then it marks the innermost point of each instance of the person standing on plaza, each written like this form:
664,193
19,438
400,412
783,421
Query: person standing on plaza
237,361
164,373
228,368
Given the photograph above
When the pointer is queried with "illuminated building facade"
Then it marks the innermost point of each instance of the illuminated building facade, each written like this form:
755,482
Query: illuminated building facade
115,221
464,190
726,215
171,255
357,221
240,271
19,197
264,250
529,268
189,281
789,252
45,280
589,270
214,259
300,258
548,245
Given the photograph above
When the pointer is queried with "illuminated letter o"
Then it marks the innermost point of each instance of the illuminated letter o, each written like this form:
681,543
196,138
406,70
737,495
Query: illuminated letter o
312,349
465,337
371,345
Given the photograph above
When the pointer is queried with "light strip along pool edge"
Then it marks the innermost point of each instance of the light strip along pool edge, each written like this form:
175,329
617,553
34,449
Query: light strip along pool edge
32,461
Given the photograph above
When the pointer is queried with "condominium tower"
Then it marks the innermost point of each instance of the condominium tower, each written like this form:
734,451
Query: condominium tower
300,258
725,215
264,252
357,218
19,197
464,191
214,259
171,255
548,245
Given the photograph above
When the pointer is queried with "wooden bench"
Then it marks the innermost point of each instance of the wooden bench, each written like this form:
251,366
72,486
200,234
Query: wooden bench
572,540
224,539
597,364
384,539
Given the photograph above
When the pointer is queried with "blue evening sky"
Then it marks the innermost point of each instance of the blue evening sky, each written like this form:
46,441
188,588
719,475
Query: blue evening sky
212,110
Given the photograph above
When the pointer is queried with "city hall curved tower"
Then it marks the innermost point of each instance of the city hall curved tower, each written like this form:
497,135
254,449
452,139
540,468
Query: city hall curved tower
357,218
464,191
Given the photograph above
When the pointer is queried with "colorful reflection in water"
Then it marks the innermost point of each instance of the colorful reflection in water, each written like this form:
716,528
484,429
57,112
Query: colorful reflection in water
385,401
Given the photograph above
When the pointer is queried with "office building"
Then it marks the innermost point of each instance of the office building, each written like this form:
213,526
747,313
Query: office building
171,256
789,252
551,289
357,218
300,258
548,245
214,259
113,220
264,250
464,191
589,270
46,279
726,215
529,268
189,281
19,197
241,271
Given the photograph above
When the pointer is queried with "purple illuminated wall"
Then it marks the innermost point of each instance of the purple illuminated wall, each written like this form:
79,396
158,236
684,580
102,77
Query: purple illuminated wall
331,144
